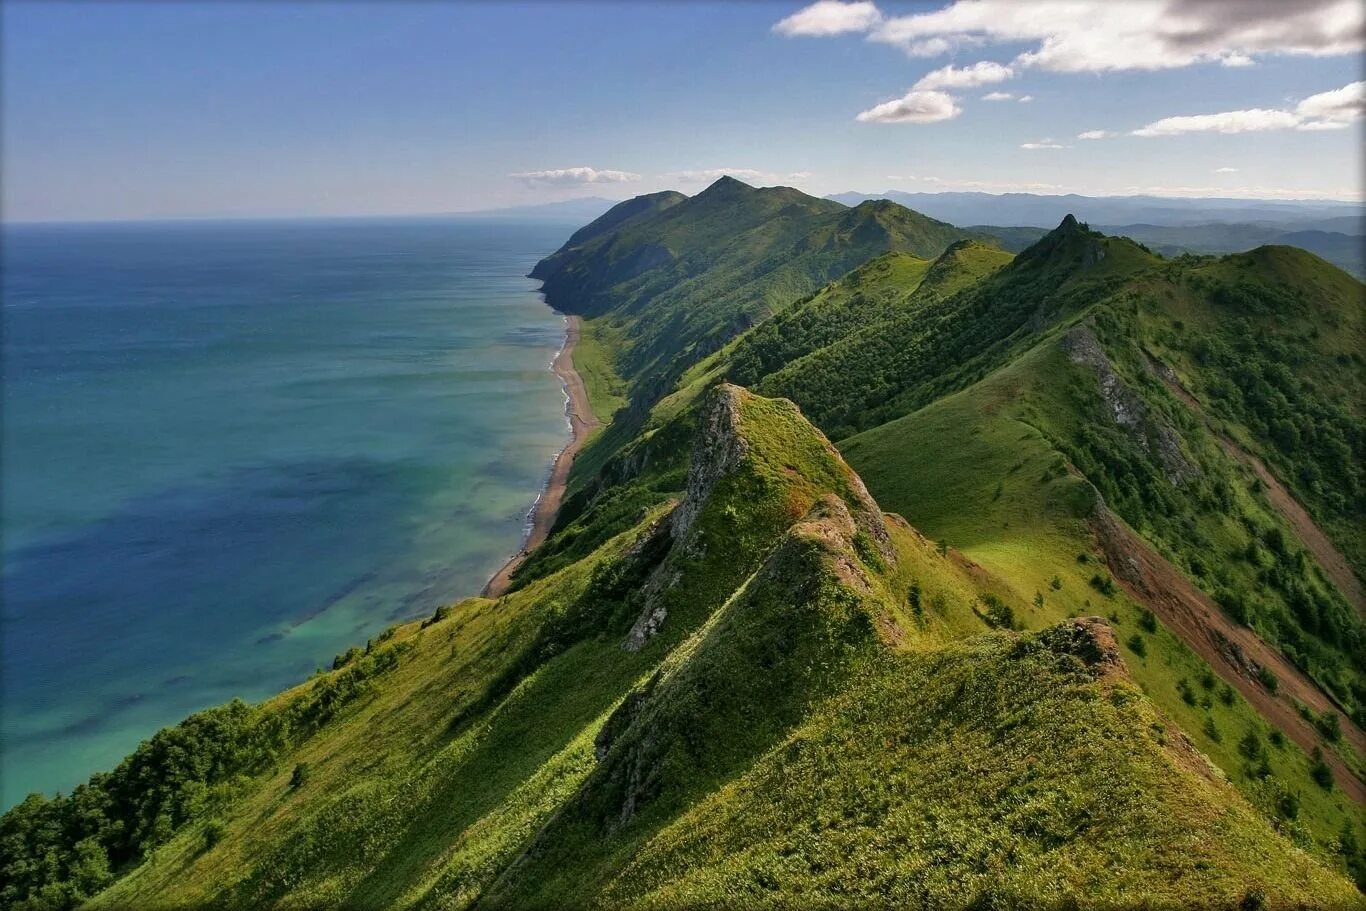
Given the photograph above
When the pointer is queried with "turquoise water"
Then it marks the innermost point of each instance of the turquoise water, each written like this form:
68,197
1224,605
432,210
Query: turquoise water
232,450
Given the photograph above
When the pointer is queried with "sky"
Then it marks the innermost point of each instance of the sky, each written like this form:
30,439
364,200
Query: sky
224,109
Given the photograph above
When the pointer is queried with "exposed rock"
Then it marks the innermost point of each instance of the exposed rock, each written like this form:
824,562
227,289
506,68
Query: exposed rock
1128,409
1090,640
719,449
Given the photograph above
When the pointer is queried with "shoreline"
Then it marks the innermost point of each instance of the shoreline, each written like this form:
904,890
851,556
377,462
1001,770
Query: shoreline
581,419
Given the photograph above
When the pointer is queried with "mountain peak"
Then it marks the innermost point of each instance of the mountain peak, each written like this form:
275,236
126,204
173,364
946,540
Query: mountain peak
726,185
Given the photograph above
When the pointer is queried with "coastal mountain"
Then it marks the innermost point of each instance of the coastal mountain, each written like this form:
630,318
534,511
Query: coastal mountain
677,279
910,572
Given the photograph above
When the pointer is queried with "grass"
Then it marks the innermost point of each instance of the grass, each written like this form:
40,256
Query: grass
832,707
977,469
593,361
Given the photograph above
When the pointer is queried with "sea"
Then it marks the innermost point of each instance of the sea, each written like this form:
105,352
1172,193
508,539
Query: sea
231,450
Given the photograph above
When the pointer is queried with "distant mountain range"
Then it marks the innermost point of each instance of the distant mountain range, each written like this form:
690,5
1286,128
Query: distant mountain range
576,211
1036,209
1345,249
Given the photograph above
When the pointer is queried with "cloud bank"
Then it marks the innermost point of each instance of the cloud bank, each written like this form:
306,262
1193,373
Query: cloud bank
1089,36
572,177
830,17
1333,110
913,107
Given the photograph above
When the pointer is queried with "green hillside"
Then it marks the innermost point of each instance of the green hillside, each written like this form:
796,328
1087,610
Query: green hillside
679,281
757,694
1105,647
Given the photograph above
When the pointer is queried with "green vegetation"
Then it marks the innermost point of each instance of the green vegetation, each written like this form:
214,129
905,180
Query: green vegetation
729,679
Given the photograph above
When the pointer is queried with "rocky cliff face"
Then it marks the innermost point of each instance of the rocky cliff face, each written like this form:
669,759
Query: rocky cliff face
1127,408
753,457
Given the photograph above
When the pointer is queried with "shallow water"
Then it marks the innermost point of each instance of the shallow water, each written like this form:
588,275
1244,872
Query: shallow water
232,450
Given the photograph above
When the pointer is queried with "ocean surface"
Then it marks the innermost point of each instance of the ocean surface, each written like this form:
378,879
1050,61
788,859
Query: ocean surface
232,450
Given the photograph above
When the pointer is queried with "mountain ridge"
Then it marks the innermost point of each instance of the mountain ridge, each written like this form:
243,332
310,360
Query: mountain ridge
910,618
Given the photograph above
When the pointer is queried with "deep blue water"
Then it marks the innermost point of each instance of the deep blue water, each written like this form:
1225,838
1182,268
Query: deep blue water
232,450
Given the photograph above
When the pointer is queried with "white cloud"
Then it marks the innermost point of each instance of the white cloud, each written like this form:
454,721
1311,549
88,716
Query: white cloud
830,17
1342,105
1225,170
913,107
998,96
1322,125
710,175
1333,110
1104,35
1249,121
1095,134
1025,99
1043,144
567,177
951,77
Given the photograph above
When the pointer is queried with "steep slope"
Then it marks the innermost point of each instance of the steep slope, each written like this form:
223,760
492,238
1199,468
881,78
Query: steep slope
821,716
1089,446
887,369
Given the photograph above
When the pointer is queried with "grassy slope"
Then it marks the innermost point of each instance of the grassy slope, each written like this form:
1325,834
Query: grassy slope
980,471
798,649
677,284
479,770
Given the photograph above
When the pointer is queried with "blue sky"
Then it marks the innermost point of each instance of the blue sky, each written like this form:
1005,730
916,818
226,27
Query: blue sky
217,108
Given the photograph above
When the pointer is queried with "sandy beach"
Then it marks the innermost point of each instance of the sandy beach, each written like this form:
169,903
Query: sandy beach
581,422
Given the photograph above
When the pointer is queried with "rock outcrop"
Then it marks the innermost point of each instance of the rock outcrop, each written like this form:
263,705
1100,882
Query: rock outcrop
1128,409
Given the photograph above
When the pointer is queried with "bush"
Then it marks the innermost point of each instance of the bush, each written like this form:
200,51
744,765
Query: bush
1103,584
1137,645
1267,679
1211,731
300,776
214,830
1187,694
1147,621
1329,726
1319,771
998,614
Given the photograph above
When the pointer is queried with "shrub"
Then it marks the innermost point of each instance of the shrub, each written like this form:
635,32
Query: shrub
1251,746
1267,679
1137,645
300,776
1147,621
1187,694
1211,731
1319,771
998,614
1329,726
1103,584
214,830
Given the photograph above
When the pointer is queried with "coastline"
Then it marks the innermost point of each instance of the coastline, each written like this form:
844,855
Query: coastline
581,421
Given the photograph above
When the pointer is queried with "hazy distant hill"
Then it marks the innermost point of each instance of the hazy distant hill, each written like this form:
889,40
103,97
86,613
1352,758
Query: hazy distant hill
1037,209
575,211
1344,250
